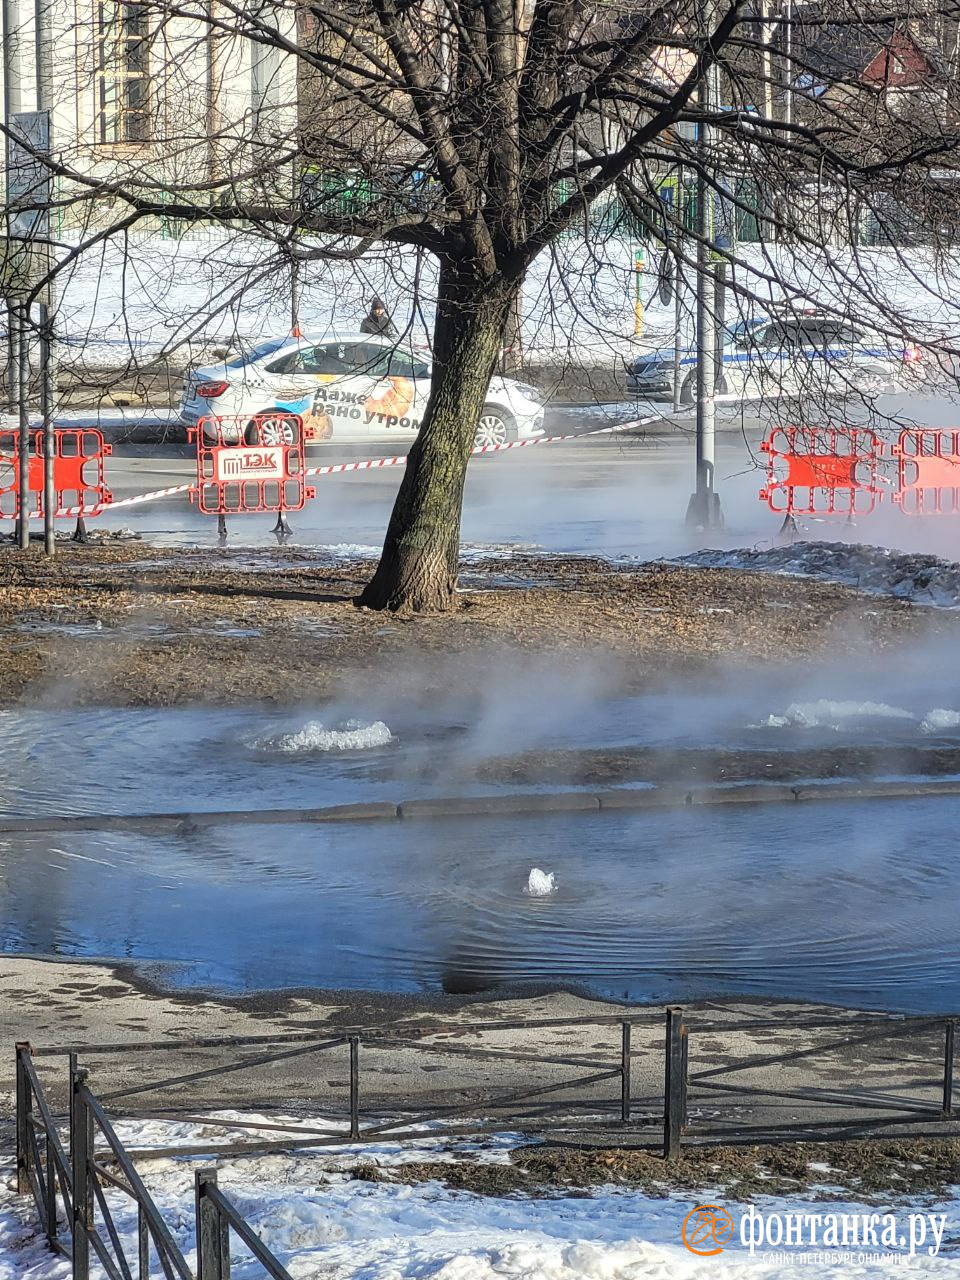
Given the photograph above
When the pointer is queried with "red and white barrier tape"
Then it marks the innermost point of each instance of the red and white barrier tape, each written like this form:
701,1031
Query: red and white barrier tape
339,468
400,459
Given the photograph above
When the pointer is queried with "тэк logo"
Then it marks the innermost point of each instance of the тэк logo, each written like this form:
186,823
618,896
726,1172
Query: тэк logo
706,1229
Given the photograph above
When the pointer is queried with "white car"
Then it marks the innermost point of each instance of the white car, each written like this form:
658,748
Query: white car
347,387
798,356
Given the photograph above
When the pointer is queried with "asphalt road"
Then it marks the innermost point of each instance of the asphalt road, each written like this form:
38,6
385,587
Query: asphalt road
613,494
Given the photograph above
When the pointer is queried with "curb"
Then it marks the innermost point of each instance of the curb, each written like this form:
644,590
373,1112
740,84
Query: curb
518,804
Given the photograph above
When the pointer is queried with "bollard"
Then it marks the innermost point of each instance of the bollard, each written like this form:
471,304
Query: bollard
674,1086
625,1062
81,1149
213,1231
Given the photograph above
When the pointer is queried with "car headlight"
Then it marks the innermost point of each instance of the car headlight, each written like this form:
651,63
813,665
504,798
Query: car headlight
531,393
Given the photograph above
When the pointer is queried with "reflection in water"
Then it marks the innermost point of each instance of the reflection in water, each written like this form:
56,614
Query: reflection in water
851,903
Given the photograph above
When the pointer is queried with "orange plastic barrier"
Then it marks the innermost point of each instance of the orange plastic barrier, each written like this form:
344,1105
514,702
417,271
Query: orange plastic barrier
77,472
824,471
928,472
250,477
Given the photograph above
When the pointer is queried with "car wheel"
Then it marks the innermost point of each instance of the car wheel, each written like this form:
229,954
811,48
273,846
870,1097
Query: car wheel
272,429
493,428
688,389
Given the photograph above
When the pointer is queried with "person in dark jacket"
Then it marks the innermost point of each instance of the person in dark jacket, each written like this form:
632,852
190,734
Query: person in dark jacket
378,321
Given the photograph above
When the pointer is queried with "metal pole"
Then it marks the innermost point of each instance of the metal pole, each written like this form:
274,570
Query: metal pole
625,1074
354,1087
24,1120
48,375
47,393
81,1148
703,511
948,1050
23,524
677,322
13,357
11,106
213,1231
673,1084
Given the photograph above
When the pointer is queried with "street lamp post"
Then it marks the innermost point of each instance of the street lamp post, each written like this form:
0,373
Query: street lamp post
703,510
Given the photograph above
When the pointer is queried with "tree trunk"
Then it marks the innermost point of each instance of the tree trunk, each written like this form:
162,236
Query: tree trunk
418,567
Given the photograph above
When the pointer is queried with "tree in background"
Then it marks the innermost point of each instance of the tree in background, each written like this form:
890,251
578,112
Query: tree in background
480,134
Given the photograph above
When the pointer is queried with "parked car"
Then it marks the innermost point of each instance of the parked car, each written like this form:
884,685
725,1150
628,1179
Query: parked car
801,355
347,387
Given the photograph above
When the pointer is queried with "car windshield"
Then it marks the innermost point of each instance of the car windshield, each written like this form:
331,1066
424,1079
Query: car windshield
262,349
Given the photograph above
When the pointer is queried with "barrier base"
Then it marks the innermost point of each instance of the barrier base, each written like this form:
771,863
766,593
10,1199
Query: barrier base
789,531
704,511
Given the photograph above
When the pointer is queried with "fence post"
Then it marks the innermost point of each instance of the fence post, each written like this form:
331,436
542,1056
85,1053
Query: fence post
674,1085
71,1072
81,1151
50,1194
354,1087
684,1049
949,1033
24,1119
625,1075
213,1231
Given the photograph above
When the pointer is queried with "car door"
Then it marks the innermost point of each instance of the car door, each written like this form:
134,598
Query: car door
395,384
769,370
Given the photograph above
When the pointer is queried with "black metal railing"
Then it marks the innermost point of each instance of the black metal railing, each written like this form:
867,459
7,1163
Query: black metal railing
69,1182
216,1217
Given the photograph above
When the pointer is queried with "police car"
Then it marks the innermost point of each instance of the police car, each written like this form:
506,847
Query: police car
351,387
793,356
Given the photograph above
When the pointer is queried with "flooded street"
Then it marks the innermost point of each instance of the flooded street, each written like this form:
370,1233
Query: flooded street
843,903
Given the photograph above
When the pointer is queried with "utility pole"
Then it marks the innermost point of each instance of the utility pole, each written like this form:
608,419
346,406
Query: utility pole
703,510
43,35
11,105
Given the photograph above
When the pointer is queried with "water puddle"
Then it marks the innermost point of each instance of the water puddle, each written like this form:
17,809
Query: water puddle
847,903
807,903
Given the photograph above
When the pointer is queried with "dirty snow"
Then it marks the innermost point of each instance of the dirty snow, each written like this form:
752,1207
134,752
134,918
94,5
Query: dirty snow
321,1222
924,579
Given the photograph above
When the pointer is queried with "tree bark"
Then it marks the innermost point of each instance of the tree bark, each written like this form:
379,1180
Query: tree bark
418,566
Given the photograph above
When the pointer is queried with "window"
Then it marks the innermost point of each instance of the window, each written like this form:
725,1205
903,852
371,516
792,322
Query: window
325,359
385,362
258,352
121,76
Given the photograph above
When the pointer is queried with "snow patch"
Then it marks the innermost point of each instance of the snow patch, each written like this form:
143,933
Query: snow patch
827,714
924,579
313,737
939,720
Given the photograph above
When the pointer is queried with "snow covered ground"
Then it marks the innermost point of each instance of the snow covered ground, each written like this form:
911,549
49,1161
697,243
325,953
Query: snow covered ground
924,579
323,1224
149,295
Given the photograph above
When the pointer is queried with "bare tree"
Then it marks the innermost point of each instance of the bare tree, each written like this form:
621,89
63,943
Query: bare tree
486,132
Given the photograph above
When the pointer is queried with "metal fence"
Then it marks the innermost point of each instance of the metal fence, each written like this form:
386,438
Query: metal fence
653,1077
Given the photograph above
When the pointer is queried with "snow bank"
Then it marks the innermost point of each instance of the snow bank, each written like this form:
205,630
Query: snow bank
314,737
924,579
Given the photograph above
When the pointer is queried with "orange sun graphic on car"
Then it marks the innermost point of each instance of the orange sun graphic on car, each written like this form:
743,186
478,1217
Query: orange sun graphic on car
392,397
